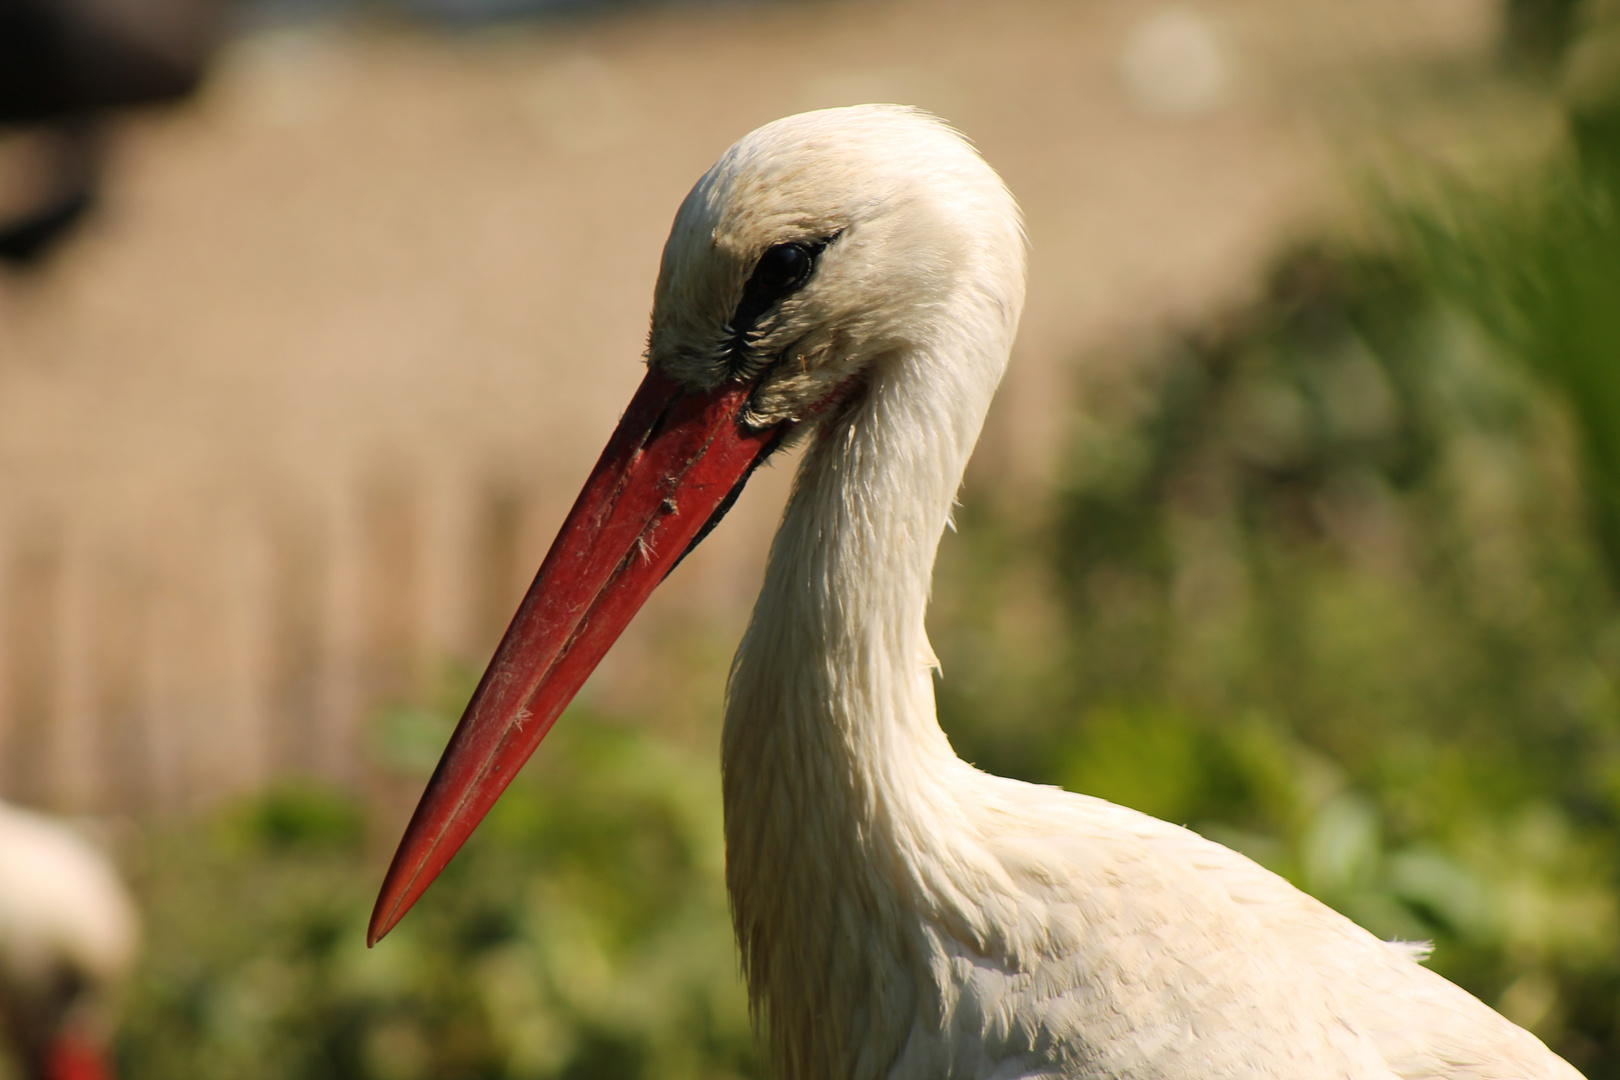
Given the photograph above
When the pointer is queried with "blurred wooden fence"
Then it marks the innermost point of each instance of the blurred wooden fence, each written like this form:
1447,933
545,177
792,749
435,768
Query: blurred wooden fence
152,675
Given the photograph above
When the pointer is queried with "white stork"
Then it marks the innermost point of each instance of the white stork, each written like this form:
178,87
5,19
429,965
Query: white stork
855,276
68,935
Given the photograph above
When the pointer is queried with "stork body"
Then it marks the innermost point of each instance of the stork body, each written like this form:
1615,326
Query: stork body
68,935
857,275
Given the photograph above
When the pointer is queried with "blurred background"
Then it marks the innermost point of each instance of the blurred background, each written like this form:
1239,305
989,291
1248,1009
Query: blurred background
1297,519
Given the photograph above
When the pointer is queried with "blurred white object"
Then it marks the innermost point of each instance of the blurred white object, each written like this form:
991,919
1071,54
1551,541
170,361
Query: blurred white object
68,937
1174,62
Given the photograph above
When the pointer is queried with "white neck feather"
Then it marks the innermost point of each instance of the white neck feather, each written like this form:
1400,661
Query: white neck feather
840,787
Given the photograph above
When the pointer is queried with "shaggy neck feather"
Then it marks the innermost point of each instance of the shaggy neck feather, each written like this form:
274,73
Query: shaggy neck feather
837,777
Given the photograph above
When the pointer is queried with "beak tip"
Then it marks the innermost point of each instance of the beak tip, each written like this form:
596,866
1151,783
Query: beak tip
382,921
392,904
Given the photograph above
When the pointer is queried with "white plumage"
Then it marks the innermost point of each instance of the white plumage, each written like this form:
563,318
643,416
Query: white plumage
68,936
857,275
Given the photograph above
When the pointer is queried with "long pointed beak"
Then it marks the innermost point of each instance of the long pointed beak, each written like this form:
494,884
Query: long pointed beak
671,469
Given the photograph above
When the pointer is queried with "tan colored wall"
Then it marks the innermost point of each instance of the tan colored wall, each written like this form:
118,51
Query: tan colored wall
297,413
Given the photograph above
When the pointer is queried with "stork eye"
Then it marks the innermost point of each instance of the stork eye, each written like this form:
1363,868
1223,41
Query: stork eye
779,271
782,269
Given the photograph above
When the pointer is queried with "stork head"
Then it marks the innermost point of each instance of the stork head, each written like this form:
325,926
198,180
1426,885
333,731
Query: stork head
817,247
819,244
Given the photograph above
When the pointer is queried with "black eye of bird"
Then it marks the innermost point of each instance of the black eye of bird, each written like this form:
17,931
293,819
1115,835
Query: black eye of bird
782,269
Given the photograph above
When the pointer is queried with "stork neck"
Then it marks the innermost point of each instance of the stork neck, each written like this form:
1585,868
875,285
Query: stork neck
839,785
835,671
836,775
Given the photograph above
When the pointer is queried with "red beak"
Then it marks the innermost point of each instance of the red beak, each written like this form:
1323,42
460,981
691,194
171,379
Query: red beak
671,469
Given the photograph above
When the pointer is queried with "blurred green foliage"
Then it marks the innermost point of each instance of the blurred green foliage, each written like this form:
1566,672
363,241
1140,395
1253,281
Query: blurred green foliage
582,933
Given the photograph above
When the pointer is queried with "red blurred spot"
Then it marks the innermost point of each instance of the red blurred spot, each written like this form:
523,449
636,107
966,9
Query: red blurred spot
73,1057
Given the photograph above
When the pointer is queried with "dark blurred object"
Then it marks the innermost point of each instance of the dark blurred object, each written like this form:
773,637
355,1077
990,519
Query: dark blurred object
483,12
1590,76
62,58
63,64
65,160
1537,31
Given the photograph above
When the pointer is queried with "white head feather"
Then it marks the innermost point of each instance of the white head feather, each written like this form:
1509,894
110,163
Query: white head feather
907,217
